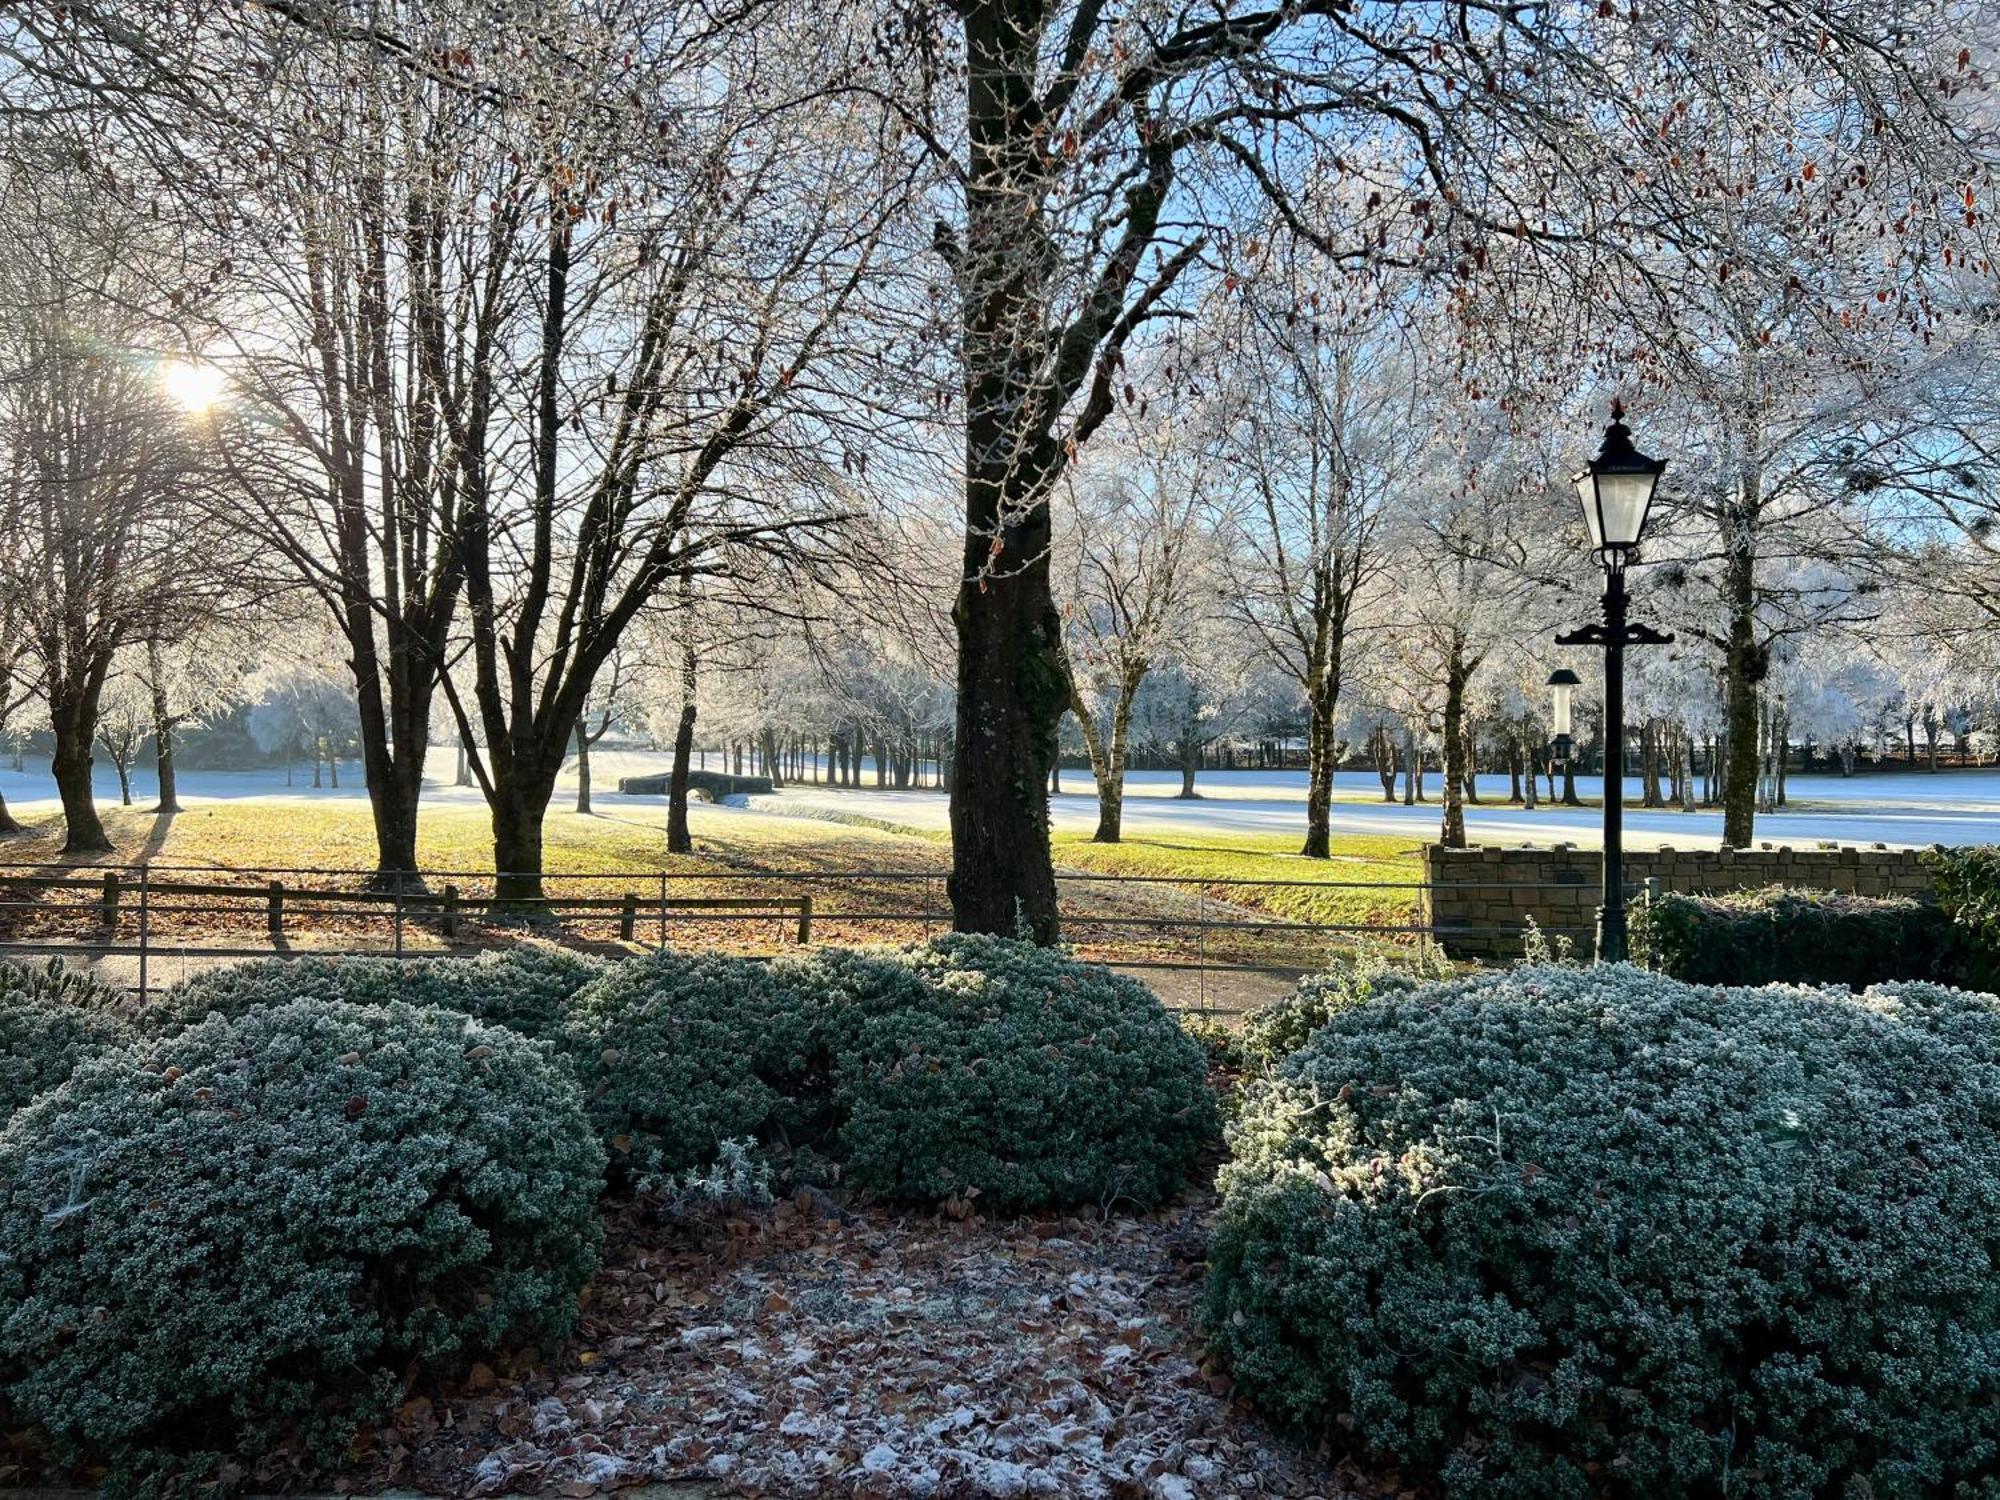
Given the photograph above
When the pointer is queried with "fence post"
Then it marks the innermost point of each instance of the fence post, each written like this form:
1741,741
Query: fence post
805,919
449,924
274,909
628,916
399,920
145,931
1201,939
663,911
110,904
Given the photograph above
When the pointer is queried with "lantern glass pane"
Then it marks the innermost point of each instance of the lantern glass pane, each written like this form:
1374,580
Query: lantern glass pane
1622,502
1586,491
1562,692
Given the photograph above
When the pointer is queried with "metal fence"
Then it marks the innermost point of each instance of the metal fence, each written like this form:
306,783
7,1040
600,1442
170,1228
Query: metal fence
146,925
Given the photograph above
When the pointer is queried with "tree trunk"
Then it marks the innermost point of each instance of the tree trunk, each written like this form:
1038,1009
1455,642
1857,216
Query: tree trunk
1451,829
518,808
768,739
163,733
73,717
582,767
1320,757
1529,751
1382,750
678,839
83,830
1011,692
1743,670
1569,796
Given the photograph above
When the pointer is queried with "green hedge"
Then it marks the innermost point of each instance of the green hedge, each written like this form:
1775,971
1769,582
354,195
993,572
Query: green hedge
1967,882
1778,934
249,1231
1568,1232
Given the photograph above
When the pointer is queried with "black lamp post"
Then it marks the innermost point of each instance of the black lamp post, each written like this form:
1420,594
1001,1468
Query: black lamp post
1617,491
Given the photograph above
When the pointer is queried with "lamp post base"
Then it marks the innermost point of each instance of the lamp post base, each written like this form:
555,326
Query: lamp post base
1611,946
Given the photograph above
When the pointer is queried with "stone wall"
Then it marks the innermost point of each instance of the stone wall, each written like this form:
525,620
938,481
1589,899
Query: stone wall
1477,901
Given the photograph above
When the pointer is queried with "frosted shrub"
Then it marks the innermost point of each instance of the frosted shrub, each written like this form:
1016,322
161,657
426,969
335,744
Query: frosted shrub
1555,1232
525,988
51,1020
1016,1072
254,1228
1275,1032
678,1053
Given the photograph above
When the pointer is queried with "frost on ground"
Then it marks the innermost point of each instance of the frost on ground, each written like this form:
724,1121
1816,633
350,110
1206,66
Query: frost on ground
790,1353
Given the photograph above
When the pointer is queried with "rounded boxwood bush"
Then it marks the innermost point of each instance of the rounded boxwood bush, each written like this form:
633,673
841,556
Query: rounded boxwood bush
255,1226
1568,1232
525,988
51,1019
1016,1071
679,1052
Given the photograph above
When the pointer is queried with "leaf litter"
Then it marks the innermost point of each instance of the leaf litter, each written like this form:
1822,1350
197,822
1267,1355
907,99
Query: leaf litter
807,1350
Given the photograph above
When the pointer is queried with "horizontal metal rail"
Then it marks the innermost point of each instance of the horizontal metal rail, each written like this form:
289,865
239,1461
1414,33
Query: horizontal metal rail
149,911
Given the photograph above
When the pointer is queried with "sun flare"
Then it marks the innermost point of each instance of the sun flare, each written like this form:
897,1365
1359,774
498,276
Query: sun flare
192,386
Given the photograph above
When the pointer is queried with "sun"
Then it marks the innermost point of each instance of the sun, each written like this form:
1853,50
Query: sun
192,386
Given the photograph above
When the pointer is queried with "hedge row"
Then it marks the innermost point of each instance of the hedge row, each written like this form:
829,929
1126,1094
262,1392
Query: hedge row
1777,934
1830,937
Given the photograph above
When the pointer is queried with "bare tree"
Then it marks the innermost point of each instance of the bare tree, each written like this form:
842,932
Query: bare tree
1130,561
99,464
1322,440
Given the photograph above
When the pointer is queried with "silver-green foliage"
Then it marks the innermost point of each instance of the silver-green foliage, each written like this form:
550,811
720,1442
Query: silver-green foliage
1022,1073
255,1226
1543,1232
525,988
51,1019
1278,1030
678,1053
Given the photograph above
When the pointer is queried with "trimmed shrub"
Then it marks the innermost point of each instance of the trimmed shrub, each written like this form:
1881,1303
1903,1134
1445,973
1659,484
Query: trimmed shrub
252,1228
51,1019
1791,936
525,988
680,1052
1018,1073
56,982
1967,882
1277,1031
1561,1232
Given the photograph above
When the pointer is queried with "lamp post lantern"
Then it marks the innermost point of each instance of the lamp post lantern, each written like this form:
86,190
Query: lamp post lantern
1616,489
1563,684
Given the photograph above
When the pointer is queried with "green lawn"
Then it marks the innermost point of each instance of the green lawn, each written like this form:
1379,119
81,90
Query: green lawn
617,851
1327,890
